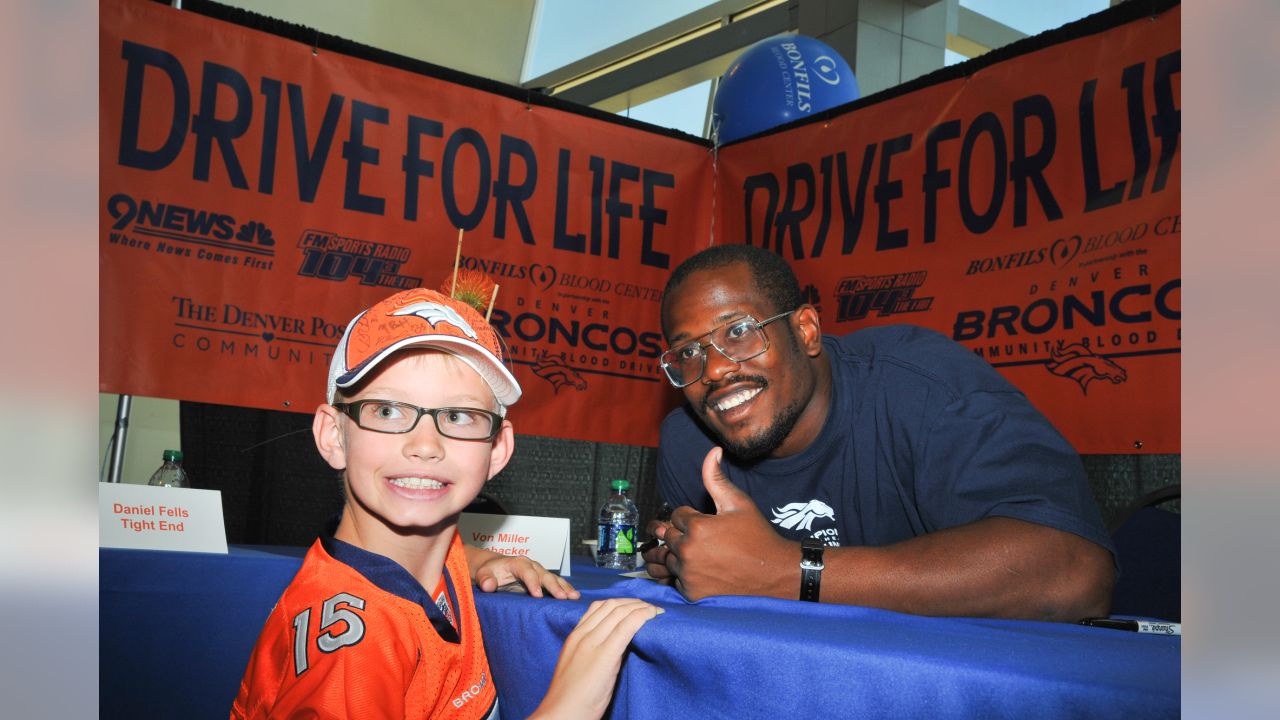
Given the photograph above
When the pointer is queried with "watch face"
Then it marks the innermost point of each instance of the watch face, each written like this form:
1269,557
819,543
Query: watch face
811,569
811,554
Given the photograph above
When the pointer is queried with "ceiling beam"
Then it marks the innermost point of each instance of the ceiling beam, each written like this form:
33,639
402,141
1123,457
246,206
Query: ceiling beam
664,67
977,34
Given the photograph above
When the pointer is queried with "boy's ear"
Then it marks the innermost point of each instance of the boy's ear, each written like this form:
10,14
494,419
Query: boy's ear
503,446
327,430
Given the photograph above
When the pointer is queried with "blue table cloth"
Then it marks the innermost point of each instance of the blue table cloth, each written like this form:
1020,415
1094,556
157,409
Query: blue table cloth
176,630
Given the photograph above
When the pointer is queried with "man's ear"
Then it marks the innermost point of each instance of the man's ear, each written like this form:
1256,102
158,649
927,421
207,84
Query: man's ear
503,446
808,330
326,427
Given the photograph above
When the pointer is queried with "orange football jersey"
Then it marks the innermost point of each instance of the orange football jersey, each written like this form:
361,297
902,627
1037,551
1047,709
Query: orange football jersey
356,636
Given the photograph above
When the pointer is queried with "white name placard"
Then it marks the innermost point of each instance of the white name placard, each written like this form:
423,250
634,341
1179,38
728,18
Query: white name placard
142,517
543,539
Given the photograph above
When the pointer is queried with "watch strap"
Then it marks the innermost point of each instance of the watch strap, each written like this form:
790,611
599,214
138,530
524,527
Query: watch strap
811,567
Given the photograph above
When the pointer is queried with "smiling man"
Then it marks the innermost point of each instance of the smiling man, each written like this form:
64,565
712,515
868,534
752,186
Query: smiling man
889,467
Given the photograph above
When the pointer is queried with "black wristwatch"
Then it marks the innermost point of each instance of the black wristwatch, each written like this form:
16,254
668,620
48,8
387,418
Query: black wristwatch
811,569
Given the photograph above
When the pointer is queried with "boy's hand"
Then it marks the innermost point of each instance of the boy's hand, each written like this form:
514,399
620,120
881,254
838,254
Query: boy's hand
491,571
592,656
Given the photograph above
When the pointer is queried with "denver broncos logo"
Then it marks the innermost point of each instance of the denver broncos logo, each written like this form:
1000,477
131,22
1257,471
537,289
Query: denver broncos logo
800,516
553,369
435,313
1077,362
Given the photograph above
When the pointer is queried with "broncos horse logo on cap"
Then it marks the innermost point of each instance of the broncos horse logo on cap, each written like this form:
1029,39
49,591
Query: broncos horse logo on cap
396,323
435,313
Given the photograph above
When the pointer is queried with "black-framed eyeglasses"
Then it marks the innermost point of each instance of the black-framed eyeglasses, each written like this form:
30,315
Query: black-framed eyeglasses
391,416
739,340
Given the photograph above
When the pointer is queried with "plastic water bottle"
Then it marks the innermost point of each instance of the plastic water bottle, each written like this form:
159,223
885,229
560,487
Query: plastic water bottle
616,544
171,473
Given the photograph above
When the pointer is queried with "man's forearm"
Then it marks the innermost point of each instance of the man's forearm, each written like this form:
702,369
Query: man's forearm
996,567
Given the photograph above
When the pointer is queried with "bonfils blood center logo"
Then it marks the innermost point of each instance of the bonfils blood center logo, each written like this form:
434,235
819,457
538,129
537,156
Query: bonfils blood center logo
565,329
1084,308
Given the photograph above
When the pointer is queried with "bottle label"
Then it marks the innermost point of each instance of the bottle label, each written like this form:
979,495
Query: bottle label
616,538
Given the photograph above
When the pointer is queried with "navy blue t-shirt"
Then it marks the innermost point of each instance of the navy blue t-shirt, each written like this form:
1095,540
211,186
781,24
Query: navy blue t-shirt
922,435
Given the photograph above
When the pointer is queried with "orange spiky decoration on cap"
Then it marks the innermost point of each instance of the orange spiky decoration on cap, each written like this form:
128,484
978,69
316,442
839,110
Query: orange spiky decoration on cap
477,289
471,287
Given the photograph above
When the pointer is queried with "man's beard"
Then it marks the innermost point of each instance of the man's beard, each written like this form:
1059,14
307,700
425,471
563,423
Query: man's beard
760,445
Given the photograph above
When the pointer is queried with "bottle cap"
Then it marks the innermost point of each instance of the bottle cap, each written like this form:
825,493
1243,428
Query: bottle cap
620,485
172,456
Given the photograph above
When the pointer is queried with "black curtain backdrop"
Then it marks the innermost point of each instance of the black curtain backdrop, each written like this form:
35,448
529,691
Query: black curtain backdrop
277,490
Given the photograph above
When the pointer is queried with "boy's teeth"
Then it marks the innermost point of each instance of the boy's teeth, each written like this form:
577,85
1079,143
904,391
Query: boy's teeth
415,483
737,399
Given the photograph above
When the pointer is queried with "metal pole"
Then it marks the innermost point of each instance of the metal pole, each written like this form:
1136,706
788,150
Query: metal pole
116,470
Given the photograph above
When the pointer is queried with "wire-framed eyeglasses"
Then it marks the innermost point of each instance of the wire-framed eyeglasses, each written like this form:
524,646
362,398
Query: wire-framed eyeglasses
739,340
391,416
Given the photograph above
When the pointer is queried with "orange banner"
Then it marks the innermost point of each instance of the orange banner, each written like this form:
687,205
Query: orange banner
256,194
1030,211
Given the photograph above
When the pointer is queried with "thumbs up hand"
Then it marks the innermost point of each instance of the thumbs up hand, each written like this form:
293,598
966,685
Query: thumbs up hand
735,551
726,495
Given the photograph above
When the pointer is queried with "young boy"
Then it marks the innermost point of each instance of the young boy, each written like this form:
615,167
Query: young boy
380,620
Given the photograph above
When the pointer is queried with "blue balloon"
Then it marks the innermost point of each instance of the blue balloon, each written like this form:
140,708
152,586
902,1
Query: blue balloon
778,80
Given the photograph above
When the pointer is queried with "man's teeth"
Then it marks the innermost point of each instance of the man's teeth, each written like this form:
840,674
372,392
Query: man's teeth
737,399
416,483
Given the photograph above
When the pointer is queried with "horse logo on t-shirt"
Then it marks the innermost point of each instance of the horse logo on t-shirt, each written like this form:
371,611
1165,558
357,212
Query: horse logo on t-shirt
800,516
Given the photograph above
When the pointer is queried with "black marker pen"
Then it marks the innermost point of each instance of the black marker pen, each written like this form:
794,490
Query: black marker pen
664,514
1153,627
